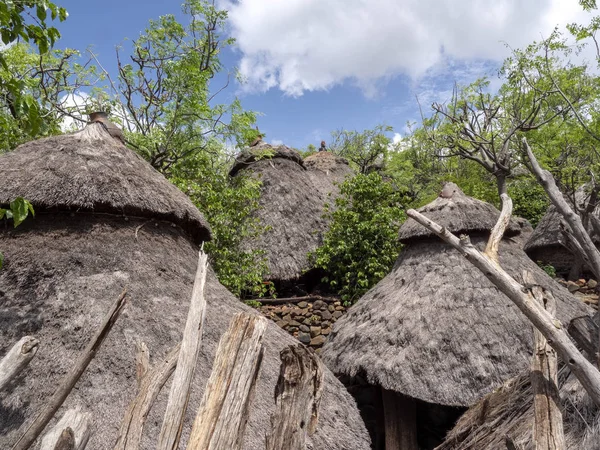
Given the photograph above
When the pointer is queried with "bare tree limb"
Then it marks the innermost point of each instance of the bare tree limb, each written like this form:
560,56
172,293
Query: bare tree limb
491,249
17,358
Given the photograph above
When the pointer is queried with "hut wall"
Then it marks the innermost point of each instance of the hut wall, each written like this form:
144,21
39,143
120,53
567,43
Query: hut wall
61,274
400,421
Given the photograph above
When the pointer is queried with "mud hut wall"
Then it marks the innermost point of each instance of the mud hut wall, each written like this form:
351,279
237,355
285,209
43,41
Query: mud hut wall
61,274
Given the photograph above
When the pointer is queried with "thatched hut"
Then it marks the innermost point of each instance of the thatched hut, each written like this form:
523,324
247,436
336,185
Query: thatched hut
104,220
293,197
547,243
435,335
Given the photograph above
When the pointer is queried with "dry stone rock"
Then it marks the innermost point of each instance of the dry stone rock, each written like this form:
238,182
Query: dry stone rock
304,338
317,341
592,284
337,314
572,286
304,328
302,305
315,331
319,304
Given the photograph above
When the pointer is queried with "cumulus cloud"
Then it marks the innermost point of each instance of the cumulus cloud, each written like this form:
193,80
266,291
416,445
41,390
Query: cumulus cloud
276,142
305,45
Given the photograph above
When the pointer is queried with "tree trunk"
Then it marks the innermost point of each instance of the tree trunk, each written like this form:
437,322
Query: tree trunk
223,412
170,432
72,431
17,358
400,421
297,399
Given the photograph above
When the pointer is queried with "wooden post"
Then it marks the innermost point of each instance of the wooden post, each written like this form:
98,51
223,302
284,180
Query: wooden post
72,431
130,433
17,358
170,431
223,413
548,422
587,374
31,432
400,421
297,398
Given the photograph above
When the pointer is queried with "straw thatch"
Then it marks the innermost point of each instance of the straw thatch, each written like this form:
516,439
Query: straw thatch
508,412
63,271
435,328
547,243
292,203
110,179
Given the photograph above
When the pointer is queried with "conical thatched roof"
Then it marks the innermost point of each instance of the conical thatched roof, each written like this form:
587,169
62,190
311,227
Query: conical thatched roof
264,151
91,171
435,328
508,412
62,272
292,203
457,212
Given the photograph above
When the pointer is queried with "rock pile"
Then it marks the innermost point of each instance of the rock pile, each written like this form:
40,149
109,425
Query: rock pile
309,322
585,290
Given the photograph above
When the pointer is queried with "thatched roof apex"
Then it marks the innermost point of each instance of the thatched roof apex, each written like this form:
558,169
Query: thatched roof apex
327,161
264,151
91,171
458,213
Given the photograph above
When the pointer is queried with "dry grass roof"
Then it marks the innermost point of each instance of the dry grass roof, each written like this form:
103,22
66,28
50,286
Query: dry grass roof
264,151
435,328
91,171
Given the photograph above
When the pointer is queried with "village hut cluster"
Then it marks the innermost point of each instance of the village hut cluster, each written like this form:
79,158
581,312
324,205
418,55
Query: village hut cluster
105,220
434,356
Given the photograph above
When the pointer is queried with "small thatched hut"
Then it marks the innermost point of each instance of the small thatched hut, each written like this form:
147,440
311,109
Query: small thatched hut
435,334
547,243
104,220
293,197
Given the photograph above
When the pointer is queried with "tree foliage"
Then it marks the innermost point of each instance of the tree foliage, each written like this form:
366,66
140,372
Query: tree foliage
361,244
363,149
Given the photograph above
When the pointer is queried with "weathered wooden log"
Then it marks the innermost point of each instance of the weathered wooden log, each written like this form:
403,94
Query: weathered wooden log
32,431
586,373
72,431
297,398
491,249
223,413
585,332
400,418
170,431
548,431
142,361
17,358
130,433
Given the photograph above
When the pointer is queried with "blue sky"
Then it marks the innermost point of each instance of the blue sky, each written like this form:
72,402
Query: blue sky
313,66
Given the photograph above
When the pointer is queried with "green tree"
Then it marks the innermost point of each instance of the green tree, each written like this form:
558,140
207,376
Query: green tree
361,245
363,149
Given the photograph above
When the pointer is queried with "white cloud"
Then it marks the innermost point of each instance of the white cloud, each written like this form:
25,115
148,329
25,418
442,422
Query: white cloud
276,142
396,139
300,45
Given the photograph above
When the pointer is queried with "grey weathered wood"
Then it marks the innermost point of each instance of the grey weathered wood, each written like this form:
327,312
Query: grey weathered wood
72,431
32,431
586,373
548,431
400,421
142,361
132,426
585,332
491,249
170,431
297,398
17,358
223,413
545,178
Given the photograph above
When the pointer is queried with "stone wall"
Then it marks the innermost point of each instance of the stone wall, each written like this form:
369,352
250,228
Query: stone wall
587,291
308,321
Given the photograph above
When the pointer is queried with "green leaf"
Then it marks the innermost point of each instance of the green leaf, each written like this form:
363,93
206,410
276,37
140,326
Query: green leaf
20,210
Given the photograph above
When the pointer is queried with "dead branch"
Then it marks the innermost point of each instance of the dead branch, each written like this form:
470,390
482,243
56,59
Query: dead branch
552,329
17,358
223,412
170,432
71,432
491,249
31,432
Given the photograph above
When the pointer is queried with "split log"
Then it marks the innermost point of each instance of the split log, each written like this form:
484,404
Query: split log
142,361
170,432
223,412
17,358
548,431
545,178
297,398
71,432
586,373
585,332
132,426
31,432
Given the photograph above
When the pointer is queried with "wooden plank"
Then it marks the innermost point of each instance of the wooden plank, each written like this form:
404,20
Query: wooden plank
17,358
297,399
32,431
223,413
400,421
548,431
132,426
72,431
170,432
